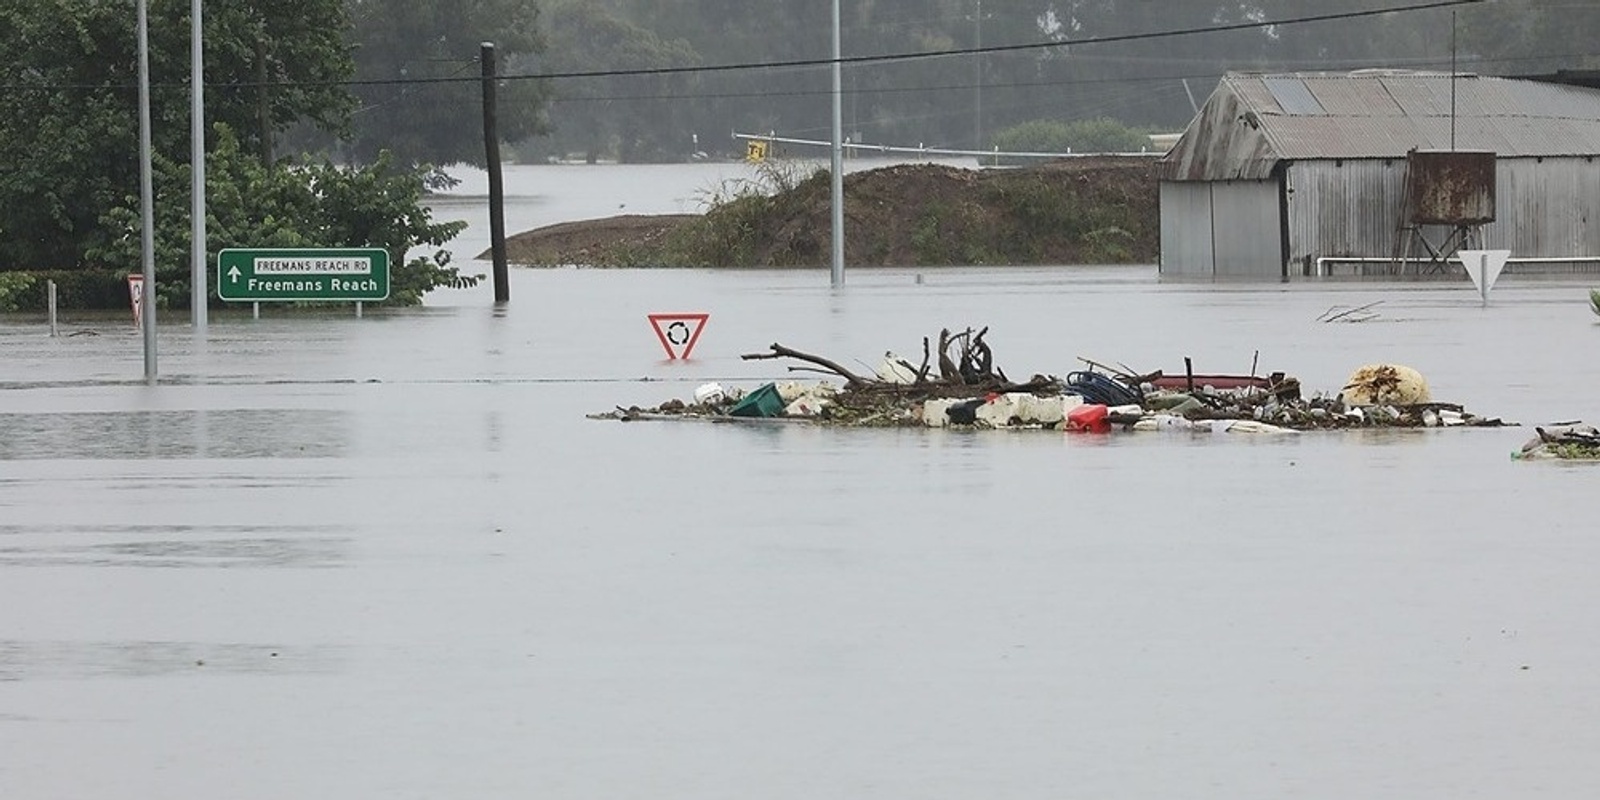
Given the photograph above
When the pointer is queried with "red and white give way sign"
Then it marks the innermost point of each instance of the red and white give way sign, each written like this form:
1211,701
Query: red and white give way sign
678,332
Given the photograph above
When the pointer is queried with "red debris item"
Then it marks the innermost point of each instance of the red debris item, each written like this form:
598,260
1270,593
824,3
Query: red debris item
1092,418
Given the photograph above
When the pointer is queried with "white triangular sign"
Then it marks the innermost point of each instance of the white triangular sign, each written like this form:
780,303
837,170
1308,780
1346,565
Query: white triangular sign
1483,267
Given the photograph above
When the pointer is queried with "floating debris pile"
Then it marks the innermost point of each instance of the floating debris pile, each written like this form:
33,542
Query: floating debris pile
1568,441
968,390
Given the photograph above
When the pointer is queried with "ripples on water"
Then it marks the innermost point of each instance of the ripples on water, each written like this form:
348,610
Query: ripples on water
389,557
241,433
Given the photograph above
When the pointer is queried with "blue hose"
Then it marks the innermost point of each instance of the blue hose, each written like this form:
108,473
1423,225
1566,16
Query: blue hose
1094,387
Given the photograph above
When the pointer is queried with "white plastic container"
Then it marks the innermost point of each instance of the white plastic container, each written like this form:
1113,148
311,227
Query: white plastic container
709,394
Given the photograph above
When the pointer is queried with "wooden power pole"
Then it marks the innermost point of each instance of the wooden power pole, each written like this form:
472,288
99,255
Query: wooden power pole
497,191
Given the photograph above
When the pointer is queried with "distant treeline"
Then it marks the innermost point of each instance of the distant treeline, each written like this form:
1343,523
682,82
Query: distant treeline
1018,61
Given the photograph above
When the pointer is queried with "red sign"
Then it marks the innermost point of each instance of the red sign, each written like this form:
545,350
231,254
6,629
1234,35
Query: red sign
678,332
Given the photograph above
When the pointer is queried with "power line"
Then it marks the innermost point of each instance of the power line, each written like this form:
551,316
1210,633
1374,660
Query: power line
817,62
903,57
1350,63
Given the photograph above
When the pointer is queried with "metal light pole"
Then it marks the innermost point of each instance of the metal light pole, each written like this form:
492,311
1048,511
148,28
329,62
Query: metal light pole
197,176
147,305
838,160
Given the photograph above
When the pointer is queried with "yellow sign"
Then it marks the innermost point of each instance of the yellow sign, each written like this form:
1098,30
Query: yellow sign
755,150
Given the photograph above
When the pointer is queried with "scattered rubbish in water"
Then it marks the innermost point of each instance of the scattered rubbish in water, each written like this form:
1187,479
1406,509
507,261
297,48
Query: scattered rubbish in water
957,385
1351,313
1567,441
763,402
709,393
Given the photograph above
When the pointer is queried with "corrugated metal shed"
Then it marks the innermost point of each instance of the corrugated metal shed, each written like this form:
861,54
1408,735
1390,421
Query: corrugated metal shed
1252,122
1352,209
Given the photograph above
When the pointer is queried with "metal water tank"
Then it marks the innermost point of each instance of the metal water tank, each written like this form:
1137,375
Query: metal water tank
1451,187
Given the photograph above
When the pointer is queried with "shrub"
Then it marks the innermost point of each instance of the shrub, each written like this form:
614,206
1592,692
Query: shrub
1101,135
249,204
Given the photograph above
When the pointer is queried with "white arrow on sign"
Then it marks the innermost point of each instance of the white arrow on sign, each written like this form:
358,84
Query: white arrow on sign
233,274
1483,267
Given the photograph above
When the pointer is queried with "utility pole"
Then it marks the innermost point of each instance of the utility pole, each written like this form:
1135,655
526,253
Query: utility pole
197,176
977,77
838,160
147,304
497,192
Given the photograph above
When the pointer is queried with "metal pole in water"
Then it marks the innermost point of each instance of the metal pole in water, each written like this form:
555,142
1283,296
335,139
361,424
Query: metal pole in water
1483,277
197,176
147,305
838,160
50,287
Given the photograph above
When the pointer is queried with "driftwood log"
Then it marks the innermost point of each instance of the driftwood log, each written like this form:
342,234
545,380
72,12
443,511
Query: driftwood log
966,369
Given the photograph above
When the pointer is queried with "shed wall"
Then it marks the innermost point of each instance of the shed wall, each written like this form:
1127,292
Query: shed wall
1547,208
1186,229
1228,229
1246,224
1344,208
1352,208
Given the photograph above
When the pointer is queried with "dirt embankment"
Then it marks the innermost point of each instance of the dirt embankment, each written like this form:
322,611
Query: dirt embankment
1083,210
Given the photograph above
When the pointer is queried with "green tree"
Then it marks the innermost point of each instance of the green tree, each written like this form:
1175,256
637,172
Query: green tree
312,204
421,99
1101,135
629,117
725,33
69,103
1525,37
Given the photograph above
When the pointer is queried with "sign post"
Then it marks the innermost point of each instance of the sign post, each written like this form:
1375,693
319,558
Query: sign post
1483,267
309,274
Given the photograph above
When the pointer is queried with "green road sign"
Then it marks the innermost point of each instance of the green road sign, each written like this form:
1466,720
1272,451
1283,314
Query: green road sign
349,275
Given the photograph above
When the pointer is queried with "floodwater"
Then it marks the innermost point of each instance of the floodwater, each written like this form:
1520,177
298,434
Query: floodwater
389,557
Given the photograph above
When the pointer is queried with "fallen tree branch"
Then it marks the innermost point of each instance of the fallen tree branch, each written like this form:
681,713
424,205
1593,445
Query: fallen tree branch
779,351
1354,314
966,372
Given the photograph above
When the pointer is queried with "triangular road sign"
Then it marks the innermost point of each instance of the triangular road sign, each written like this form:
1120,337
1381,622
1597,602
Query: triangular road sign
678,332
1483,267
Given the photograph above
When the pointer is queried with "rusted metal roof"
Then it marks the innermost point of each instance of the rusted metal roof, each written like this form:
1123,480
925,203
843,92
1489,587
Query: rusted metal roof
1253,121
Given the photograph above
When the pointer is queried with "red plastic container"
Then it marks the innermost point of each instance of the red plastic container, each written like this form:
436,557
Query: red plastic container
1089,419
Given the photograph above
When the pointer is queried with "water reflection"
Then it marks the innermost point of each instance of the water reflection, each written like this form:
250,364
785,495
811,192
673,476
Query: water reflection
240,433
61,660
174,546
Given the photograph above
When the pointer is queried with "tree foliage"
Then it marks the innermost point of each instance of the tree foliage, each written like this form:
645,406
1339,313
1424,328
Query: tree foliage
418,72
69,122
69,104
1102,135
285,204
629,117
1532,36
988,65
